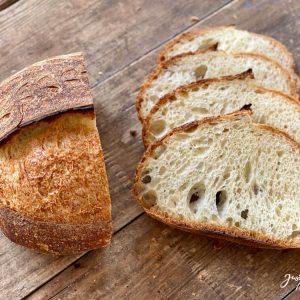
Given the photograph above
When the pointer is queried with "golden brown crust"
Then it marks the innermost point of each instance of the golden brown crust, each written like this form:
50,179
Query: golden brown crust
164,65
186,88
53,182
45,88
239,235
54,194
54,238
191,34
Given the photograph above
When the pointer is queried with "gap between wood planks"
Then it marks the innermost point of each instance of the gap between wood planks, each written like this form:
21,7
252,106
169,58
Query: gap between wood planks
7,3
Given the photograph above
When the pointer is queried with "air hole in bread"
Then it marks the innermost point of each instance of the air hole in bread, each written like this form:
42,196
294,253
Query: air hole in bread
200,110
246,107
145,172
191,129
294,234
221,198
247,171
244,214
150,198
226,174
158,151
5,116
162,170
200,72
280,153
237,224
196,196
146,179
200,150
229,221
223,88
207,43
255,189
158,127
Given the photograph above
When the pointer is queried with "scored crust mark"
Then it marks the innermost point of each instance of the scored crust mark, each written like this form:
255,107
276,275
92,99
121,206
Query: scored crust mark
45,88
236,234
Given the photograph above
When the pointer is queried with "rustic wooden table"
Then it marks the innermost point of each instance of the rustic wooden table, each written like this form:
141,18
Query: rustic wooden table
146,260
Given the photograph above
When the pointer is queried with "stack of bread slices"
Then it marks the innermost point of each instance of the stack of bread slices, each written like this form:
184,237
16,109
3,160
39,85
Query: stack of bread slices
221,127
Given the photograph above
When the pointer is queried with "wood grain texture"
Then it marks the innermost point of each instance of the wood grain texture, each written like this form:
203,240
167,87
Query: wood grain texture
112,34
157,262
105,30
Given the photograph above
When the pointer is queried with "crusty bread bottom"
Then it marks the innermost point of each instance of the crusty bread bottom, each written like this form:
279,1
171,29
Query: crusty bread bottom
52,238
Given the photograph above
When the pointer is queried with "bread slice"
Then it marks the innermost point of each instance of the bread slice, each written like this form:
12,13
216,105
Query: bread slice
54,194
213,97
231,40
188,68
225,176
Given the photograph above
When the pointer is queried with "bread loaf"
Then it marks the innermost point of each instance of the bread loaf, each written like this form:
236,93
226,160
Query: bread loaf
53,185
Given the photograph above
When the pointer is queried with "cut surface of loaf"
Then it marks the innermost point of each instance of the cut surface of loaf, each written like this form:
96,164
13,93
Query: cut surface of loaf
228,39
213,97
54,194
188,68
225,176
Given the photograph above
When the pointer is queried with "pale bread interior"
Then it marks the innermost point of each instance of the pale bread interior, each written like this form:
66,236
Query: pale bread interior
230,39
213,64
227,172
223,97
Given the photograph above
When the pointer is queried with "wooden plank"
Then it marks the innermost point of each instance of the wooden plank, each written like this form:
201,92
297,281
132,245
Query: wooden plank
112,33
117,113
106,30
148,260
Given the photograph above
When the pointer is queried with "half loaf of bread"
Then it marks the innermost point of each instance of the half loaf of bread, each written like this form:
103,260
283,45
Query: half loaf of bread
188,68
225,177
54,192
213,97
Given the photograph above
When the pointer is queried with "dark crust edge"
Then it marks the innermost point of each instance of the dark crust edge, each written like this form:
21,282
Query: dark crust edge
236,235
53,238
170,97
191,34
50,237
164,65
64,101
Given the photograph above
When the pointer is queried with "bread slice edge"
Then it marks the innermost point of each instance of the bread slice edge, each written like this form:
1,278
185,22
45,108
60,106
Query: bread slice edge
252,238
